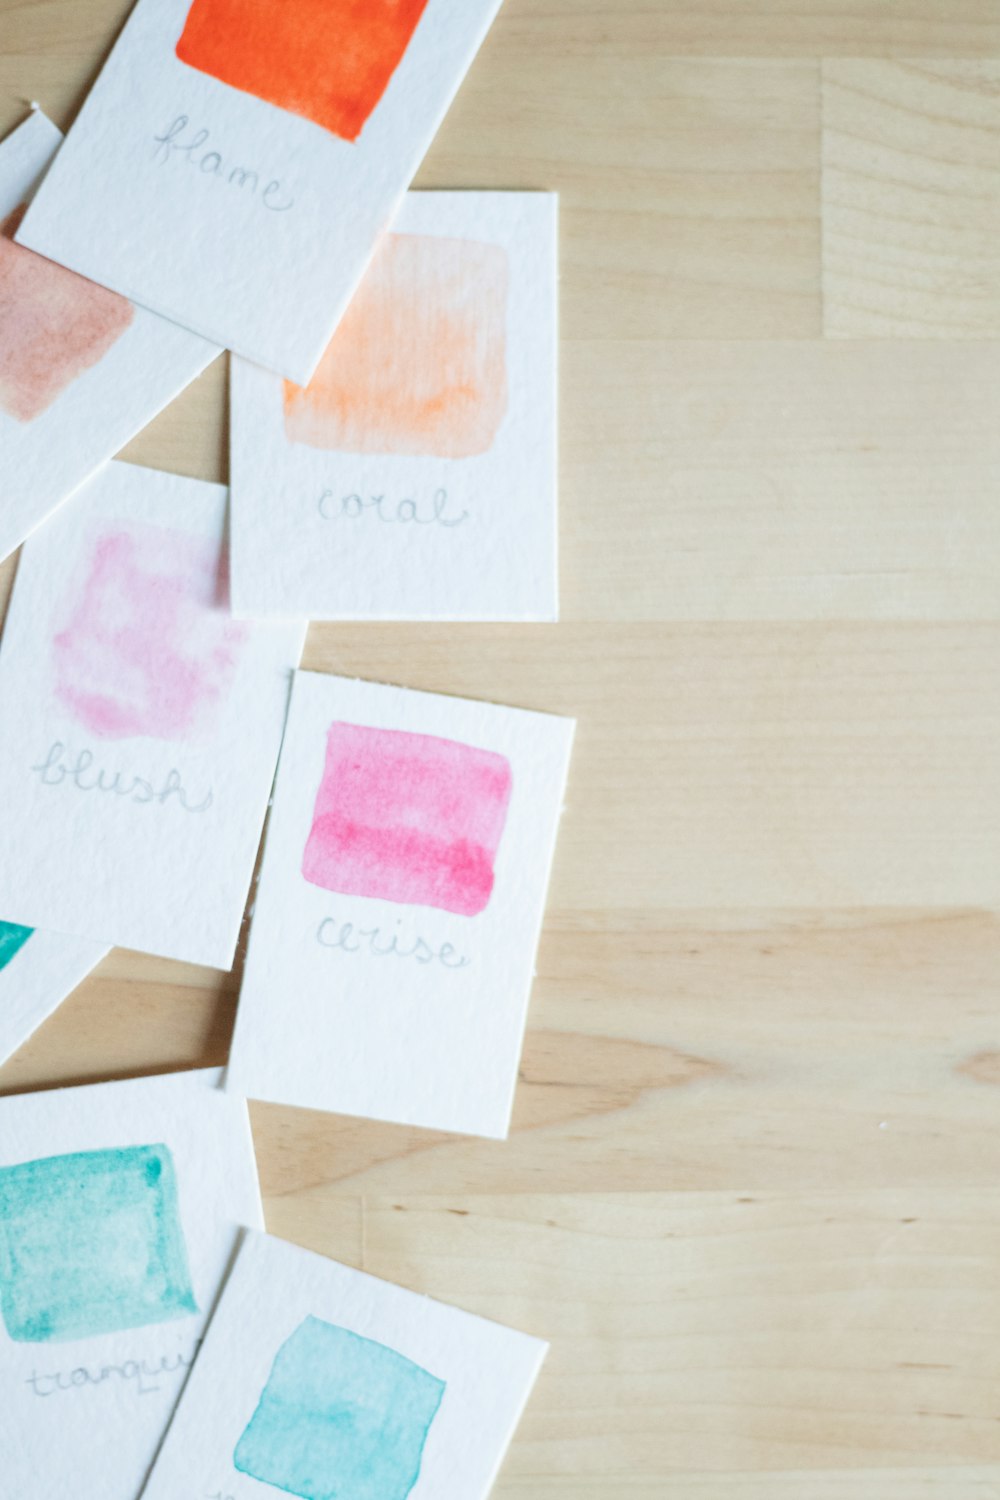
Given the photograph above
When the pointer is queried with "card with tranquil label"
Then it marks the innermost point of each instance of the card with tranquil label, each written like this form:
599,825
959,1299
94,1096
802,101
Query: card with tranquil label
237,160
399,907
121,1207
136,769
325,1383
37,971
81,369
414,478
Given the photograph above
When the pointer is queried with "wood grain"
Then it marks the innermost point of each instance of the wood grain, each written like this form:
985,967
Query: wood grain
911,199
751,1191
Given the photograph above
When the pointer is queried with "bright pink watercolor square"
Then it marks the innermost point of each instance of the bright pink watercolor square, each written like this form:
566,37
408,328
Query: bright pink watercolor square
147,646
408,818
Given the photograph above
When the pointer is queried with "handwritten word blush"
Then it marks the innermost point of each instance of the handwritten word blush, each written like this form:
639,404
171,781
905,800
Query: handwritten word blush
147,647
408,818
54,325
418,365
329,60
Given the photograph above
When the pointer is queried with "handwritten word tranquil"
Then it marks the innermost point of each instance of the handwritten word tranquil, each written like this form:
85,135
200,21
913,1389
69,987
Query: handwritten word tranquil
351,939
213,164
392,512
56,768
142,1372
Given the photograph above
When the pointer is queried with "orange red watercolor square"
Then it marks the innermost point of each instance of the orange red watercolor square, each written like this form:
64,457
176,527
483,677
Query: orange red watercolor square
418,365
54,325
329,60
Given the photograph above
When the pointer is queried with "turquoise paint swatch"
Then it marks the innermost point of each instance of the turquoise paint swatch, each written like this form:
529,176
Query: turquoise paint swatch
91,1243
340,1418
12,940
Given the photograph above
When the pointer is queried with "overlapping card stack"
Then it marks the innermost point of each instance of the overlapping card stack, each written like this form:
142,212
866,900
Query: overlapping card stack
237,180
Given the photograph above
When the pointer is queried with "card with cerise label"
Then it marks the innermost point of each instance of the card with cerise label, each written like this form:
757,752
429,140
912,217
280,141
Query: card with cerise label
400,902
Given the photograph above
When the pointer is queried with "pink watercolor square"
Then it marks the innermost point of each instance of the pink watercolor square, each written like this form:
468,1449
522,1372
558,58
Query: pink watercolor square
408,818
147,646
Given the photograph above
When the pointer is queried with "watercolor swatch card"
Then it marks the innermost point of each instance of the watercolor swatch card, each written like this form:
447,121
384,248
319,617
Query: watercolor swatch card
121,1208
399,906
237,160
415,476
328,1384
136,769
81,369
37,971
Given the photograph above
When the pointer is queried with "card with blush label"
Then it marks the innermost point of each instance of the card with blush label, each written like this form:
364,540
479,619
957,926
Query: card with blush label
121,1207
136,771
415,476
37,971
237,160
81,369
323,1382
399,906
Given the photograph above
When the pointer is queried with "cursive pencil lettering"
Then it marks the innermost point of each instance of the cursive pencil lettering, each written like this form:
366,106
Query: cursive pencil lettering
142,1374
58,768
179,143
392,512
377,943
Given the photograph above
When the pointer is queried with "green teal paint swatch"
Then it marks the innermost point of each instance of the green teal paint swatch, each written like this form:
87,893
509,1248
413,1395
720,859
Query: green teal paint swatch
91,1243
340,1418
12,940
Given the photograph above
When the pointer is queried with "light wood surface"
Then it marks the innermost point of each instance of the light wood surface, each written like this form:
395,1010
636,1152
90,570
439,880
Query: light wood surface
753,1191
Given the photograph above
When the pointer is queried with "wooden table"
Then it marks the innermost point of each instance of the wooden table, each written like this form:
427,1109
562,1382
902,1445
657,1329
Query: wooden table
752,1193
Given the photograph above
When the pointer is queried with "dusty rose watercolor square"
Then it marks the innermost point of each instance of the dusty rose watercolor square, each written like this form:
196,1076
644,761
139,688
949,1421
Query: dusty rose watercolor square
146,645
54,325
409,818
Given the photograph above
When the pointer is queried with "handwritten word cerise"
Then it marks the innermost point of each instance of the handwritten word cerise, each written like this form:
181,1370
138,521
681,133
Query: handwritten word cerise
392,512
58,767
171,145
375,943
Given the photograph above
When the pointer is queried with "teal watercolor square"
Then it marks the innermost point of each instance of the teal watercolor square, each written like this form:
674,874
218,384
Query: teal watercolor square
340,1418
12,940
91,1243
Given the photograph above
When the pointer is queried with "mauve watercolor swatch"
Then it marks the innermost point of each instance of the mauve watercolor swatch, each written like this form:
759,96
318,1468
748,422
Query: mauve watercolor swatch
146,646
409,818
54,325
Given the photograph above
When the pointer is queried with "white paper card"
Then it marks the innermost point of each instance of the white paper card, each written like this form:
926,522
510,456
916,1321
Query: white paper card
319,1381
415,477
140,724
237,160
399,907
120,1211
37,971
81,369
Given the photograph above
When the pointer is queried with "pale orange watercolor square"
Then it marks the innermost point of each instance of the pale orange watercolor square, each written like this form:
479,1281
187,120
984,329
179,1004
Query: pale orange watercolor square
418,365
54,325
329,60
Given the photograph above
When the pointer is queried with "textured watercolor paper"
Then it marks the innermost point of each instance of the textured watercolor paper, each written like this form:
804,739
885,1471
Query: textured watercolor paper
81,368
237,160
415,476
325,1383
37,971
399,907
136,771
121,1207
